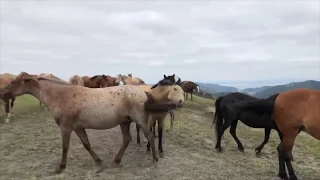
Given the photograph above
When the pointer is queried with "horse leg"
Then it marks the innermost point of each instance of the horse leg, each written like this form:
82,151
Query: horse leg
125,130
191,95
265,141
282,168
138,133
160,131
148,145
65,134
154,129
85,141
281,137
8,110
150,138
12,104
233,128
287,145
221,130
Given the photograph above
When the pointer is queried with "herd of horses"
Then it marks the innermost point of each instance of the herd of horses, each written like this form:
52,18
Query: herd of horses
99,102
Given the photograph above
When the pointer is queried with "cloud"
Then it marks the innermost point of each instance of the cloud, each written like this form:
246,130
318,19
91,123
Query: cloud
207,41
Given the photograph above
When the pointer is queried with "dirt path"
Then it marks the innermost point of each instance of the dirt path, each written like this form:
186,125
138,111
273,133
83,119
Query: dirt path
31,147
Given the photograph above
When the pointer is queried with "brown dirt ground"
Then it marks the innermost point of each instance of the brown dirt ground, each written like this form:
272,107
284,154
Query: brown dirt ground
31,147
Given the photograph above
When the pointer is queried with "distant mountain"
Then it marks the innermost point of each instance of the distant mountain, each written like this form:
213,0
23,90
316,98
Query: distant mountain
253,91
216,88
311,84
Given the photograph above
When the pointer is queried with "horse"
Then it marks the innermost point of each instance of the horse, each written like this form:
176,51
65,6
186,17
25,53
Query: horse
130,75
293,111
114,80
128,80
76,80
50,76
76,108
157,94
223,118
97,81
6,97
109,80
188,87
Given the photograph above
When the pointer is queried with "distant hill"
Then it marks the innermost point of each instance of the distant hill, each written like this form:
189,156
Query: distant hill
311,84
253,91
216,88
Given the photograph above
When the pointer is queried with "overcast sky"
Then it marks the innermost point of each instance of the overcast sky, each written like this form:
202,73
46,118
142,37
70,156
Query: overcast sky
230,42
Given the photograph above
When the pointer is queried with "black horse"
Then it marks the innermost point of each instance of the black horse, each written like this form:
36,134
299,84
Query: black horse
226,116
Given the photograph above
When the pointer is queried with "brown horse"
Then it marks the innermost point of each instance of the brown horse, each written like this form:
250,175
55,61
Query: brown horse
156,94
109,80
6,96
188,87
115,83
293,111
76,108
76,80
97,81
128,80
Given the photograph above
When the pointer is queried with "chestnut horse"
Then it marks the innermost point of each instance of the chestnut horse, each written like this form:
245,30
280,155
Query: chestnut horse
76,108
97,81
114,80
6,97
293,111
188,87
128,80
76,80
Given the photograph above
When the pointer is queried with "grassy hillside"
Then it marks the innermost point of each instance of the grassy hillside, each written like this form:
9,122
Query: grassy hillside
31,147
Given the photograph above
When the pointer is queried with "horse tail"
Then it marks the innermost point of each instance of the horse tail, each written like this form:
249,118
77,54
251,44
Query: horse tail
260,106
198,88
217,114
218,118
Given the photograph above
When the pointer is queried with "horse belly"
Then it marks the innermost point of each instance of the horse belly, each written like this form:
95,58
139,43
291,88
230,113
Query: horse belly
98,118
255,121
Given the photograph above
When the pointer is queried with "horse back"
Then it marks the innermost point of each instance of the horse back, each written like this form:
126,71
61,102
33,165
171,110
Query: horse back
299,107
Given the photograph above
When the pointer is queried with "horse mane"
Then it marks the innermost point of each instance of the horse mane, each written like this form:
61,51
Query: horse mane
54,80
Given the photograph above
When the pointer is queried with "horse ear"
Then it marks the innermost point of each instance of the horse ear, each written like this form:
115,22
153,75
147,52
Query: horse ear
154,86
174,74
164,76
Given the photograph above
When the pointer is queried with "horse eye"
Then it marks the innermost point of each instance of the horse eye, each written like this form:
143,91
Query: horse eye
175,89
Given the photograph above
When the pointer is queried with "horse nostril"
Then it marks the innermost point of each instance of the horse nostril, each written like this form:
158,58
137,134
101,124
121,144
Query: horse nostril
180,101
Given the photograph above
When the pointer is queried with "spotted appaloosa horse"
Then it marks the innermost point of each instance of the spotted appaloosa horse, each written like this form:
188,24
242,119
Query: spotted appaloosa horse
76,108
293,111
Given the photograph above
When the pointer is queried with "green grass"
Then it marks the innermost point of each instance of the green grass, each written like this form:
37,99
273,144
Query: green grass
23,104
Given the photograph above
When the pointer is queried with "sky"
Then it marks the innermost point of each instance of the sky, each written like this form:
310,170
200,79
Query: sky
239,43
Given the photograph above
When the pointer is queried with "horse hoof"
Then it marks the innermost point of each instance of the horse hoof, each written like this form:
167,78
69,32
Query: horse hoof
117,161
155,160
98,169
283,176
219,150
58,170
161,154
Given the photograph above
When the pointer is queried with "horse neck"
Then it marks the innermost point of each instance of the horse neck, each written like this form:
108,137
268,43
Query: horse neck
126,80
46,91
160,93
